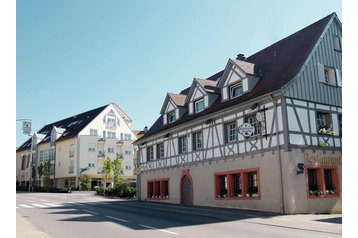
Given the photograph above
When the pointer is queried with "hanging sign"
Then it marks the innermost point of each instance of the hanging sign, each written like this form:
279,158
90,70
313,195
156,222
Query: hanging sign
26,127
246,129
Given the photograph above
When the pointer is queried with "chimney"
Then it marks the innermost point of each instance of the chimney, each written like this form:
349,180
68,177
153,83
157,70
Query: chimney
241,57
145,129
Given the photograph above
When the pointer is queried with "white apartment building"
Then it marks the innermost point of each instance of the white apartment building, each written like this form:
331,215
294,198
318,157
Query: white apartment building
78,145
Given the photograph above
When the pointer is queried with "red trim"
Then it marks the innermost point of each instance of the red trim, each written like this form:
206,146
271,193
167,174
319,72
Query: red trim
320,180
244,184
154,187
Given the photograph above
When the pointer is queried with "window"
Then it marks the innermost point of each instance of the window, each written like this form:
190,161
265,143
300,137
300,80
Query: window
91,164
93,132
91,147
230,132
171,117
197,140
340,124
128,152
110,150
71,167
111,122
337,42
23,162
160,151
322,181
41,156
237,184
323,120
128,167
111,135
236,90
150,156
182,144
72,150
330,76
158,189
127,137
104,134
199,105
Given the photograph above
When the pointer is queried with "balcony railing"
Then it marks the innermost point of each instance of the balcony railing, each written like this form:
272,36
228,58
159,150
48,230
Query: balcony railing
101,154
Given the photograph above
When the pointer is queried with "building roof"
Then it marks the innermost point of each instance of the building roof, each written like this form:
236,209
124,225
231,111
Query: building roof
279,64
71,126
179,99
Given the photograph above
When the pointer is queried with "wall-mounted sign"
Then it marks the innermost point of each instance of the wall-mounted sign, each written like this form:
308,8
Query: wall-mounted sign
246,129
322,159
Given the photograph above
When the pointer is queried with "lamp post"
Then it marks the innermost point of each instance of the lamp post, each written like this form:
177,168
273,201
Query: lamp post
26,129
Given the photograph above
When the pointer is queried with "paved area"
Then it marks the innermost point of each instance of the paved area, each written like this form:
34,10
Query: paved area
87,215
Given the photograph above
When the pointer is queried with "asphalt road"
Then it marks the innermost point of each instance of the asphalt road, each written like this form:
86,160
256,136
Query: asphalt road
83,214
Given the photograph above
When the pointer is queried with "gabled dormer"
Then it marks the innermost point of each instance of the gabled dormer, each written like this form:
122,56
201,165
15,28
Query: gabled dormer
173,108
56,133
36,138
202,95
239,77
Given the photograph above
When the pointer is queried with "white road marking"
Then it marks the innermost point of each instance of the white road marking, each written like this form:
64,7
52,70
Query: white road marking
116,218
95,213
162,230
38,205
25,206
53,205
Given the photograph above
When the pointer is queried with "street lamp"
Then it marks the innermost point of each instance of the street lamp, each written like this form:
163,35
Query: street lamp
26,129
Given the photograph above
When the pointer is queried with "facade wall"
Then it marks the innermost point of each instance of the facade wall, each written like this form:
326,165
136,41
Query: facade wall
22,175
306,85
66,159
202,175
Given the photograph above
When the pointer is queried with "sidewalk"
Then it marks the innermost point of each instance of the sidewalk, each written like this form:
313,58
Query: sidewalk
25,229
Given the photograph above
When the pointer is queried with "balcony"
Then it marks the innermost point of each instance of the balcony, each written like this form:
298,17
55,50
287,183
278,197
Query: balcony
71,153
101,154
52,157
119,155
100,170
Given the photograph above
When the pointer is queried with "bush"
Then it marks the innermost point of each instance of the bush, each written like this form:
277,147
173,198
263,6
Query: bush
99,190
85,182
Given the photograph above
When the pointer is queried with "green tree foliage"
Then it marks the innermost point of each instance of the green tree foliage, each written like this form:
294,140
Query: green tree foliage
117,170
85,182
46,173
40,172
33,175
107,163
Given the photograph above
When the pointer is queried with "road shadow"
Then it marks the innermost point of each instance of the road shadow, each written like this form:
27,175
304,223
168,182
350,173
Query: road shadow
133,214
335,220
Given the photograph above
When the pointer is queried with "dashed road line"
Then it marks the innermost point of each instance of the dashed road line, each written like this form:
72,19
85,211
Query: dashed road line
95,213
25,206
118,219
157,229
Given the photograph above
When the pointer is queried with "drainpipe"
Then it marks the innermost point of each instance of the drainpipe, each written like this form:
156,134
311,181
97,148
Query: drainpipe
279,156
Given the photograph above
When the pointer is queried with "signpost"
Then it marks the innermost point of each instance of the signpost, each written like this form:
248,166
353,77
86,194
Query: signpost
26,127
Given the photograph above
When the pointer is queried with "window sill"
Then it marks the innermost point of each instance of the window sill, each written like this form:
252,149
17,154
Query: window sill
247,197
157,198
324,196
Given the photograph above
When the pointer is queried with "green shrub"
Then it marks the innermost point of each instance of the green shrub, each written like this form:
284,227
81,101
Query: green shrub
99,190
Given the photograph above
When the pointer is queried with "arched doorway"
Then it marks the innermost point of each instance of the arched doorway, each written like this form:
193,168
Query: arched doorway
186,187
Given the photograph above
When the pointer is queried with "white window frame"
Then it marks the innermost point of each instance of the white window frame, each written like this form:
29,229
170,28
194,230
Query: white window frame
93,132
183,144
160,149
110,150
171,115
198,140
91,147
234,87
231,129
201,107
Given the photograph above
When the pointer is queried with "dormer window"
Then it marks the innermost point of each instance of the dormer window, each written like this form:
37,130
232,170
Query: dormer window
171,117
236,90
199,106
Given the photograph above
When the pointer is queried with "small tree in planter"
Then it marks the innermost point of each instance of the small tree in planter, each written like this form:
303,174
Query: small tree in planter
46,174
107,164
33,176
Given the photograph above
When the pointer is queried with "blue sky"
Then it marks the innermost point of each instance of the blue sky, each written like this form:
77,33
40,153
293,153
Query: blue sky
73,56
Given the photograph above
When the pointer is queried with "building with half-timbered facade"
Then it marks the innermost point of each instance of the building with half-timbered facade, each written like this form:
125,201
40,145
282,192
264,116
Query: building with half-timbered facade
262,134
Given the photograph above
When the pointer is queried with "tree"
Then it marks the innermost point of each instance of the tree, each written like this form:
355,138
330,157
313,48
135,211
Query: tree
107,163
33,175
117,170
40,171
85,182
46,173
